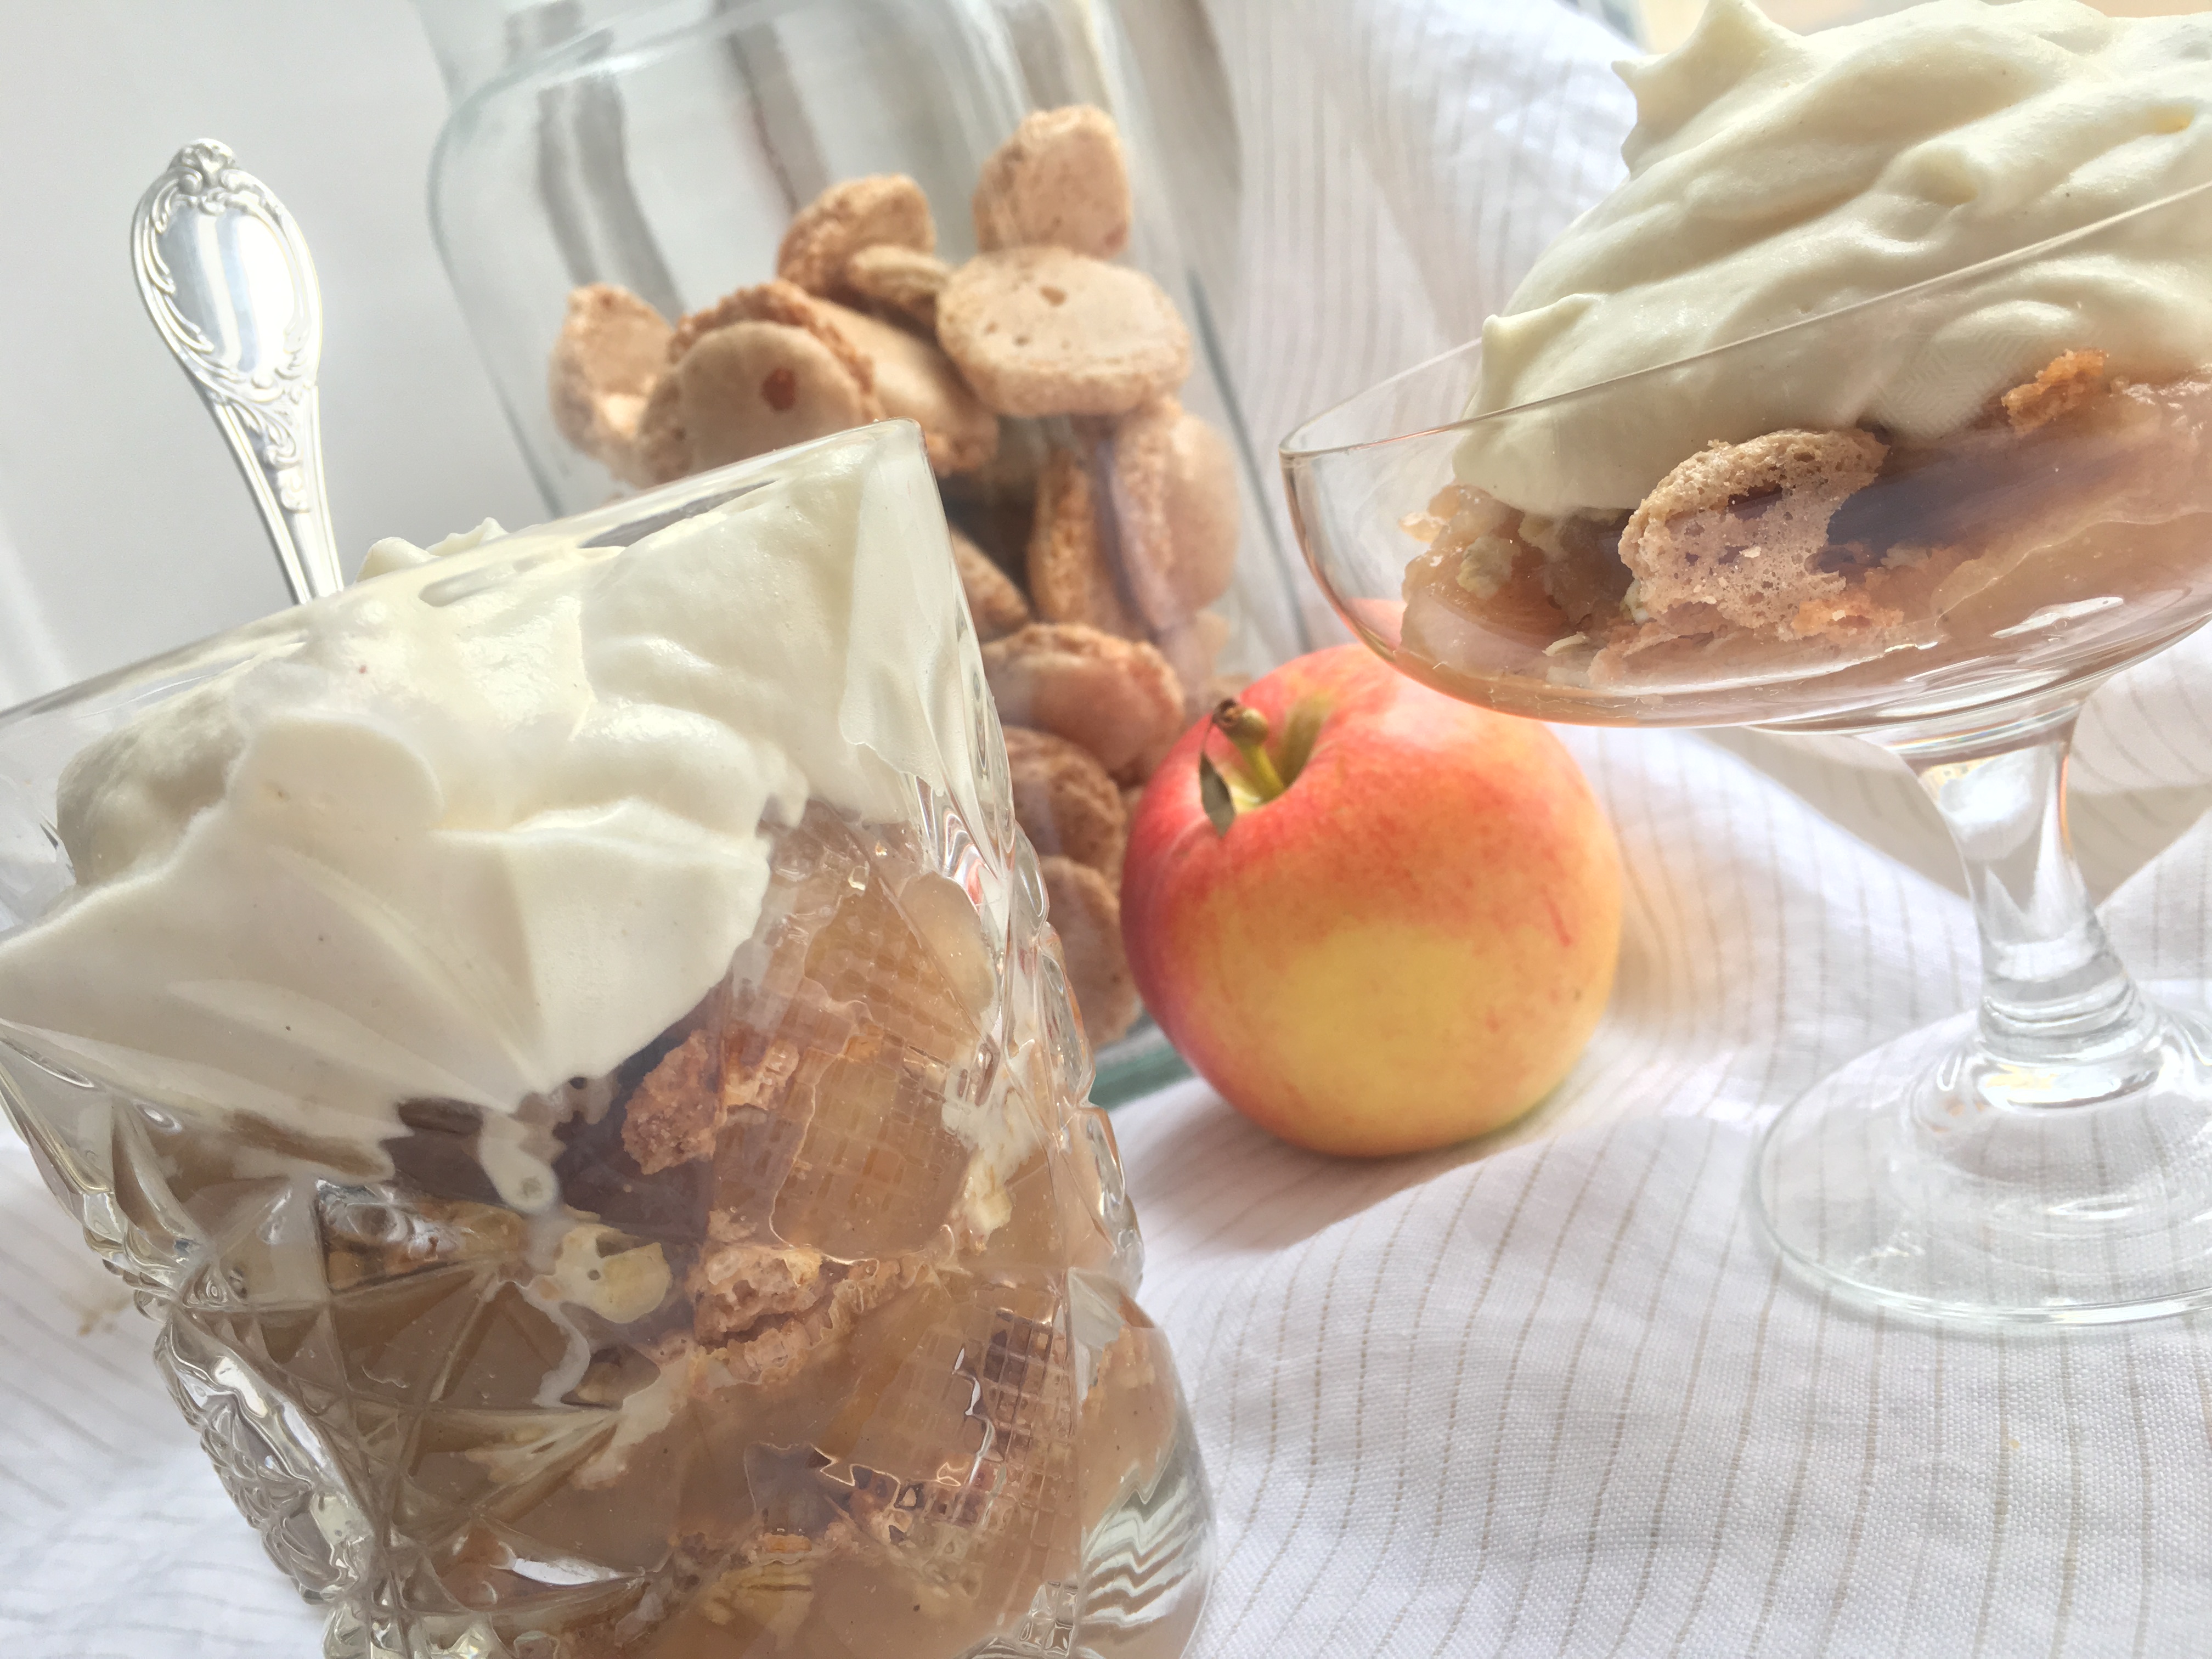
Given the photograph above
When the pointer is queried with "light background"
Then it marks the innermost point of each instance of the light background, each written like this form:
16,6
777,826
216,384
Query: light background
123,528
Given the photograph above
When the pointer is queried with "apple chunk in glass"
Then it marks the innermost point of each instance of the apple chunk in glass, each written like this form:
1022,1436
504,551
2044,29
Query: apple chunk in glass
1952,598
565,1037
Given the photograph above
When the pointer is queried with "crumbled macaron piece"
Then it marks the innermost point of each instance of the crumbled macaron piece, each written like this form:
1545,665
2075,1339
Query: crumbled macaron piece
1739,532
618,1279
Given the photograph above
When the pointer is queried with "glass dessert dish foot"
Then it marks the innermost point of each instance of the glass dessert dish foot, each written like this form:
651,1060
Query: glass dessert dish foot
1933,1176
1936,519
2046,1159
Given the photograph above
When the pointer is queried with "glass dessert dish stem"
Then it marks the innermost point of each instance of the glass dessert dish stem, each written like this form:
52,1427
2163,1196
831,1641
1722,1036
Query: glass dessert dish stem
2059,1012
2047,1158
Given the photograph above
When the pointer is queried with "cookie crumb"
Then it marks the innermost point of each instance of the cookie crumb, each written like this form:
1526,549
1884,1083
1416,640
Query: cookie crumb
2065,385
673,1115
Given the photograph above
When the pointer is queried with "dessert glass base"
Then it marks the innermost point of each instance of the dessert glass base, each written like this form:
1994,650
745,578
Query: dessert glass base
1932,1177
2047,1158
1733,539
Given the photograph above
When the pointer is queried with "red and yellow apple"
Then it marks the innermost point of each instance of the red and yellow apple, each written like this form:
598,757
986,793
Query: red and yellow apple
1405,932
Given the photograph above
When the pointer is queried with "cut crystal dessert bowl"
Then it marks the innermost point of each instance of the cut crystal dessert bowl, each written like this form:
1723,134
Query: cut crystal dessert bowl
566,1039
1944,570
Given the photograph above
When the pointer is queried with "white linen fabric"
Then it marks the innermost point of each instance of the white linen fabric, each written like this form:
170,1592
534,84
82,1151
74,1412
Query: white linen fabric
1542,1395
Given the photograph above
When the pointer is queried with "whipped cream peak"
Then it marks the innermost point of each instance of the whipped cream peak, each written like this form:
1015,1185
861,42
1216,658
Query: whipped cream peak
1774,178
496,819
398,553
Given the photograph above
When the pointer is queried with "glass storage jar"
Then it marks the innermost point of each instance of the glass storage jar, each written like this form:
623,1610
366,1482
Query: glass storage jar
1129,575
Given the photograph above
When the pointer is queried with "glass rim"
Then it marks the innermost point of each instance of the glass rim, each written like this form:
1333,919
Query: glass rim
1292,453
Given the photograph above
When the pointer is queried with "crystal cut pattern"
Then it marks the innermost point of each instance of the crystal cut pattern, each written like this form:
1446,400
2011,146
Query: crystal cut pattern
826,1347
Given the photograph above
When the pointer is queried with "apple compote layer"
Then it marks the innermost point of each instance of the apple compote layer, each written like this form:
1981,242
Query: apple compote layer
789,1366
1813,575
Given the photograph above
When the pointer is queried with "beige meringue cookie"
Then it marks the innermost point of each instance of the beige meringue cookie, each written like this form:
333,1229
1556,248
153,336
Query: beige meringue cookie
1064,801
1175,507
1062,179
1071,576
610,350
1192,647
662,451
775,301
1117,698
882,209
899,279
995,603
750,387
1042,331
915,381
1086,911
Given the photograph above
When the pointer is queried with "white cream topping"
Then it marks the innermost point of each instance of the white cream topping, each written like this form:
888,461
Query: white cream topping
497,819
398,553
1773,177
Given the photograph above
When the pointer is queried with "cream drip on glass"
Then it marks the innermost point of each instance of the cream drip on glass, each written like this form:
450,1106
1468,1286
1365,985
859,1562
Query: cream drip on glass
1774,176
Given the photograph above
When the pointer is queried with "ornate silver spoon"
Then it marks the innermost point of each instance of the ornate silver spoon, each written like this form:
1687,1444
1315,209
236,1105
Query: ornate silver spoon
226,277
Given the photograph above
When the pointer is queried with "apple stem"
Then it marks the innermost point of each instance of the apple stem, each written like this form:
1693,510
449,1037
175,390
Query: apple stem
1247,728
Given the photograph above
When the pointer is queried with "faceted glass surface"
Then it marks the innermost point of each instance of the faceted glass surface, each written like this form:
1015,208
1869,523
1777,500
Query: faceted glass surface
828,1346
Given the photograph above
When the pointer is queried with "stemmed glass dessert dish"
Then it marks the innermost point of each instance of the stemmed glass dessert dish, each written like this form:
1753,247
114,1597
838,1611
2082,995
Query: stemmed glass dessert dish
1994,514
564,1037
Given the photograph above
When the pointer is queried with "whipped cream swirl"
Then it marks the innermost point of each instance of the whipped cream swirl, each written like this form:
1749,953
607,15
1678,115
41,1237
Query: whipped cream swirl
493,821
1774,178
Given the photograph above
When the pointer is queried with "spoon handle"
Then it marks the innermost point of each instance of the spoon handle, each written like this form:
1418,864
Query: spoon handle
226,278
